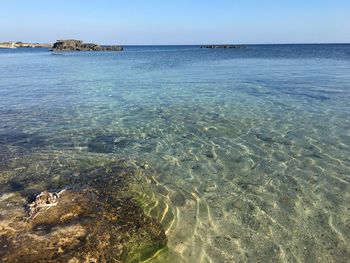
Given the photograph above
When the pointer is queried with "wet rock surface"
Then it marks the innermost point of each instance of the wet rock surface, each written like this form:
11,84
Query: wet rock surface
95,220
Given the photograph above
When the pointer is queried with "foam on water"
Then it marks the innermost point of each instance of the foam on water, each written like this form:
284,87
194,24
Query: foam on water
246,152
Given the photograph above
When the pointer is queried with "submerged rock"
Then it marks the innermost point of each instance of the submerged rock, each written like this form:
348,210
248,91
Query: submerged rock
82,228
109,143
44,200
78,45
21,139
95,220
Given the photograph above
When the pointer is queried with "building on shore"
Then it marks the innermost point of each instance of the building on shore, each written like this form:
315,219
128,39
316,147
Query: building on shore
7,45
23,45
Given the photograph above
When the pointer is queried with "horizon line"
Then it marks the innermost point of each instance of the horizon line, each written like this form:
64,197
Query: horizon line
202,44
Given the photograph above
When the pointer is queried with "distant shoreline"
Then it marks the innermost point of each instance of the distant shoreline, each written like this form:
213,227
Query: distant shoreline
7,45
19,44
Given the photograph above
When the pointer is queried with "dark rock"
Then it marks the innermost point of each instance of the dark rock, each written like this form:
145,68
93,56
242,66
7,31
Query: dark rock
78,45
109,143
16,186
69,45
21,139
223,46
178,199
112,48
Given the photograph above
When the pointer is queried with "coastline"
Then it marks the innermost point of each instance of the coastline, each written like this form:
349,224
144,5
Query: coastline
13,45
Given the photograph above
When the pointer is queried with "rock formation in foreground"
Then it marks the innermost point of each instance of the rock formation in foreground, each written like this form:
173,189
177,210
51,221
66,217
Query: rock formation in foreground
78,45
96,218
223,46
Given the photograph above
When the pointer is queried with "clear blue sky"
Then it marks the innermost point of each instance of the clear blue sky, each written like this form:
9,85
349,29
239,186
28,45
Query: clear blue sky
176,22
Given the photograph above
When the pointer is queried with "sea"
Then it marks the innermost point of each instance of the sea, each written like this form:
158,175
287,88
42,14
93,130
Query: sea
245,152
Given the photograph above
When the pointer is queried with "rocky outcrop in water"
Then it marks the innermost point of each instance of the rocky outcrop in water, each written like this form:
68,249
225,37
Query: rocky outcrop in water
222,46
78,45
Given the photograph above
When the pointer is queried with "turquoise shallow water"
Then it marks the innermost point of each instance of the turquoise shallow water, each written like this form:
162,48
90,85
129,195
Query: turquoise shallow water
247,150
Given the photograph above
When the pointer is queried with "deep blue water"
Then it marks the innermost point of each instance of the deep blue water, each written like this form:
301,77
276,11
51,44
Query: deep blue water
254,142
